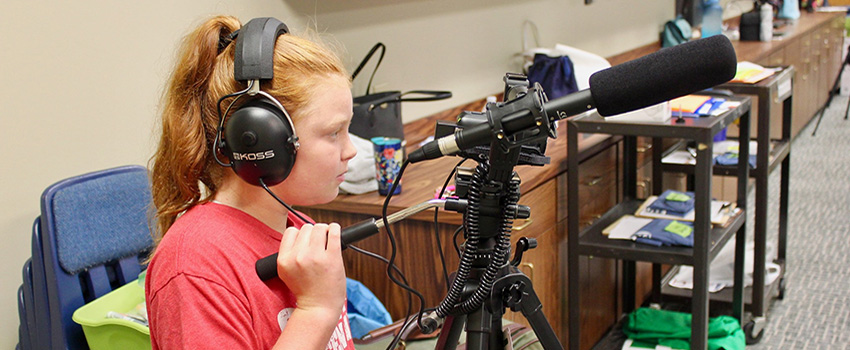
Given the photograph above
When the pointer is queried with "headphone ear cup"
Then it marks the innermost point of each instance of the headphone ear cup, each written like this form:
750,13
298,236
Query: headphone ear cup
258,142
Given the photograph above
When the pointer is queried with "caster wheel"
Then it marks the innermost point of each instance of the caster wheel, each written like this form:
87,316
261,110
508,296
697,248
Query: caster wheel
748,333
781,294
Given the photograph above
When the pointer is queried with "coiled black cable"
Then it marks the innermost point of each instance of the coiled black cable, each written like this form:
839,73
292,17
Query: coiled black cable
471,246
500,253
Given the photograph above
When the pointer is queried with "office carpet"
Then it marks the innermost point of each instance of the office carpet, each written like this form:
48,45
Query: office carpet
815,313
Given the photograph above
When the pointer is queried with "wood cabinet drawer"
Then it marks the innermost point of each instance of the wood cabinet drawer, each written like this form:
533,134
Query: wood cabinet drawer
542,266
541,200
598,186
776,59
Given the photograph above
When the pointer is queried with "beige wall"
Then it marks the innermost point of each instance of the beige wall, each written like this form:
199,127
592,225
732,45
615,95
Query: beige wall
81,79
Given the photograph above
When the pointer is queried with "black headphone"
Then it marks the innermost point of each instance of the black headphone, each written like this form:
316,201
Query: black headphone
259,137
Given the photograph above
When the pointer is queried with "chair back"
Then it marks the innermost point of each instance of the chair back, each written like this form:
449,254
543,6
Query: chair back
35,286
32,299
95,233
25,310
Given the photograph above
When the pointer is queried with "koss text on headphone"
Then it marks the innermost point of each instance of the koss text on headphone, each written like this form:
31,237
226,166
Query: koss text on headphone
259,136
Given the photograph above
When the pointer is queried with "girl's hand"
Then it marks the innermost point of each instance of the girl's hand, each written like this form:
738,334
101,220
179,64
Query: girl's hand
310,263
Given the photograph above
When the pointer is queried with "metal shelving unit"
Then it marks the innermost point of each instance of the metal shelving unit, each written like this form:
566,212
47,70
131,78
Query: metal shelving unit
707,240
774,89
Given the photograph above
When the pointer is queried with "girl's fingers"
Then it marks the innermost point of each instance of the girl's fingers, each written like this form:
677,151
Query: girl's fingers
288,238
303,240
319,236
334,244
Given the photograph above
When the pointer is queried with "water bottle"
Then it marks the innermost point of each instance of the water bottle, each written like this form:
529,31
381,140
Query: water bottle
766,33
712,18
790,9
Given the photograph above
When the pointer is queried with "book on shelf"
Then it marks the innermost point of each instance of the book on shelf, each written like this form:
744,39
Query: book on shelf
654,232
751,73
625,227
700,106
721,212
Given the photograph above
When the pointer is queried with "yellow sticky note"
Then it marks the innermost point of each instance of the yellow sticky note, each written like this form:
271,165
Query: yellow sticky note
688,103
679,229
677,197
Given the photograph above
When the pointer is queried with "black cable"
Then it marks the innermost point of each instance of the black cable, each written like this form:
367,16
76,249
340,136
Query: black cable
403,278
437,224
404,327
394,267
393,246
391,261
221,117
263,183
454,239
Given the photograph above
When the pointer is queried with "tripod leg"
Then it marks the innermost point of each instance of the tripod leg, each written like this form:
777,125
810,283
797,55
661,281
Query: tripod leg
517,290
532,309
479,331
820,116
450,335
828,101
847,110
832,93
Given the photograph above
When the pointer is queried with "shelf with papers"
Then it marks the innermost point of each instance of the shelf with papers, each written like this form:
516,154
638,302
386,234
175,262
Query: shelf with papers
771,290
593,242
678,160
779,149
707,241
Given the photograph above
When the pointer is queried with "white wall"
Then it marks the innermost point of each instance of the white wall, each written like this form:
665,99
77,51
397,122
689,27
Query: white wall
81,79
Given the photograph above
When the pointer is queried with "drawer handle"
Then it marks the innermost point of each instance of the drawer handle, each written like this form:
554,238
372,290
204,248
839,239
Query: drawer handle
594,181
523,225
530,267
644,185
592,219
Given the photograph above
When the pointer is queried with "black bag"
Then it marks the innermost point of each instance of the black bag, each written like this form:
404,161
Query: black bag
379,114
750,26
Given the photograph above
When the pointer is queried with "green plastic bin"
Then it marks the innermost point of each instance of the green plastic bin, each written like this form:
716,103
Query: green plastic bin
110,333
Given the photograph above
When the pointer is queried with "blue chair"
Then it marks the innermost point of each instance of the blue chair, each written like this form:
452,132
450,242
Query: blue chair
27,330
95,233
37,305
24,341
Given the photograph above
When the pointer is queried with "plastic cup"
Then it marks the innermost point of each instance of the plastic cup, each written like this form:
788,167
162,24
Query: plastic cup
389,156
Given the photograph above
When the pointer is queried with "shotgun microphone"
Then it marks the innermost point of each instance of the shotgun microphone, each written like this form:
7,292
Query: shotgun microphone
660,76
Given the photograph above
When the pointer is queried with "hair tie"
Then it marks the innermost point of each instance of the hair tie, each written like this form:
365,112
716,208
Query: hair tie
226,40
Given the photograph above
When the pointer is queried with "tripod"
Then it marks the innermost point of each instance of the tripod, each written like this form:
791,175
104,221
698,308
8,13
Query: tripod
833,92
486,283
484,302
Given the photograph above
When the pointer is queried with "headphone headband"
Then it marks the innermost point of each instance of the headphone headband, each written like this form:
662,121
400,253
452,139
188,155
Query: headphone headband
254,58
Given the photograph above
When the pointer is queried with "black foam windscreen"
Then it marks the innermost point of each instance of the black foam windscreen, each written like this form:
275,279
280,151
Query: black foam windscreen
664,75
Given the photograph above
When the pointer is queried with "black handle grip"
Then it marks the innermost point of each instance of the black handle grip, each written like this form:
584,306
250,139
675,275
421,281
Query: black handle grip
267,267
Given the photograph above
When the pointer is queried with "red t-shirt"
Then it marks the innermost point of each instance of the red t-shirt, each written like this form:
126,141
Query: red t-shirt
202,290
